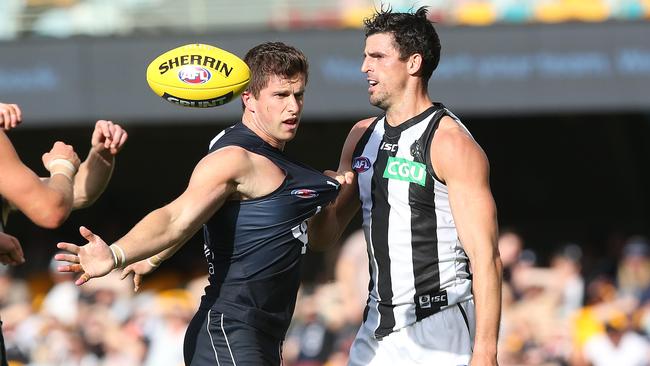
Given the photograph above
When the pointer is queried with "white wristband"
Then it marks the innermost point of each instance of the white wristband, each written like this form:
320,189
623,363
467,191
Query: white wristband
64,163
122,256
63,173
114,257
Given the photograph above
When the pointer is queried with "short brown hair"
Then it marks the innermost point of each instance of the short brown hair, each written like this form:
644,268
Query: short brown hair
274,58
412,32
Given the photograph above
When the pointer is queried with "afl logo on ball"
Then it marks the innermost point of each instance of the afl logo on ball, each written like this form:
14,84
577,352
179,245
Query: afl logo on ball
360,164
304,193
194,75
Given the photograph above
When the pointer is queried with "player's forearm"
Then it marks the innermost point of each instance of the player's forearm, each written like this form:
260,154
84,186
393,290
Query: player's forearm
326,227
52,207
169,252
160,230
92,178
487,299
323,230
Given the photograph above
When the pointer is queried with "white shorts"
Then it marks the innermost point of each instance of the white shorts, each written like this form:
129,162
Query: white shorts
444,338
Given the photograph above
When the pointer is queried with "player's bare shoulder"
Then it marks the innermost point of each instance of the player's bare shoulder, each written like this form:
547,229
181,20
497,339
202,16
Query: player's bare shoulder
351,142
229,163
453,148
360,127
451,135
357,131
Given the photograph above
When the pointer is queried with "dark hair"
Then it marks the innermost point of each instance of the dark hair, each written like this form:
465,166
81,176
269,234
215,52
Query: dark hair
273,58
412,32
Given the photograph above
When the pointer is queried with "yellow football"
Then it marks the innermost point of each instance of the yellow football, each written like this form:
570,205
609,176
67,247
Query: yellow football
198,75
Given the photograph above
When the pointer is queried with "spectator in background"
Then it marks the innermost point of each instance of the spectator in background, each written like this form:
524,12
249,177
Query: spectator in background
174,310
618,345
633,275
310,340
566,266
352,277
601,300
61,300
510,245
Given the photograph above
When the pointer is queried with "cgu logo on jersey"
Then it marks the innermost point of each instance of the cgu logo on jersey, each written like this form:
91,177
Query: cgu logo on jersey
194,75
360,164
304,193
406,170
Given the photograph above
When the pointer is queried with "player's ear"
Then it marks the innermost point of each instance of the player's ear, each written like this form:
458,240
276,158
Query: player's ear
414,63
249,100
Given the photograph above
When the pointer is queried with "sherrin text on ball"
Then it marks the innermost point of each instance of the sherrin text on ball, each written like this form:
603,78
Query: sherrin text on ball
198,75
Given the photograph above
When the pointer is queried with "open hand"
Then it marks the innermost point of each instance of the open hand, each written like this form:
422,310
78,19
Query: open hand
138,269
94,259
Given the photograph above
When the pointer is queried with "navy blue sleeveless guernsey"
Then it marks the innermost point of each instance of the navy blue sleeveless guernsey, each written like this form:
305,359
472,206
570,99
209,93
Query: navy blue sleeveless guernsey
253,247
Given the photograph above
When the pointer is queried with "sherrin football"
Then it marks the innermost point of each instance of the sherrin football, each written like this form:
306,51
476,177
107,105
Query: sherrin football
198,75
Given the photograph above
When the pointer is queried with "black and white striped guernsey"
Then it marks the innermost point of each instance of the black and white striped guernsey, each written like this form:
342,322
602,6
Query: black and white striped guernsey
417,262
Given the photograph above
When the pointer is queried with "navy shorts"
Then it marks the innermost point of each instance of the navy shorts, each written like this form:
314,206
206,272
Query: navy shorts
214,339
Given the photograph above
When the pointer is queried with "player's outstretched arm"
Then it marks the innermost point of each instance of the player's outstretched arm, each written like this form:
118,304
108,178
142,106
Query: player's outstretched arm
461,164
10,116
47,203
326,228
214,179
107,140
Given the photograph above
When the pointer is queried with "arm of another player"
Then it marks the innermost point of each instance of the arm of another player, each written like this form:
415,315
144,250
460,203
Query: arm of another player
146,266
326,228
46,203
107,140
214,179
462,164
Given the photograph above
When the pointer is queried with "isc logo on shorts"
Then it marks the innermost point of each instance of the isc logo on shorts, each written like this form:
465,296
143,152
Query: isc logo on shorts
406,170
192,74
426,301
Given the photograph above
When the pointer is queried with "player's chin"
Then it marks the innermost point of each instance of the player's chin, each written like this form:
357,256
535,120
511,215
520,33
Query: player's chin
290,134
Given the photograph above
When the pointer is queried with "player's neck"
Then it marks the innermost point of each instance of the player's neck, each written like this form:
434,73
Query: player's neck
407,107
251,122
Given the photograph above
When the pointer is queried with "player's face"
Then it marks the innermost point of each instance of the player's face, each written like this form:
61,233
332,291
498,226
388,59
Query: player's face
386,73
279,107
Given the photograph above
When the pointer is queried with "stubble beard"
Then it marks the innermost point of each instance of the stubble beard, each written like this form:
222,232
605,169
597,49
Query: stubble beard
379,101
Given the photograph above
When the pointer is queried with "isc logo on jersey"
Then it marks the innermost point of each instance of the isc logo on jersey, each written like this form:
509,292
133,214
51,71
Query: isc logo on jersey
194,75
405,170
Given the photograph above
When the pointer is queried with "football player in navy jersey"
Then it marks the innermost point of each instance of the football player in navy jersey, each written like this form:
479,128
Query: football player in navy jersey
422,183
253,203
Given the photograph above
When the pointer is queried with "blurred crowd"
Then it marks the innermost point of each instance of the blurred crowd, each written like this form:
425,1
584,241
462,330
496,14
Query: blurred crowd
553,314
64,18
